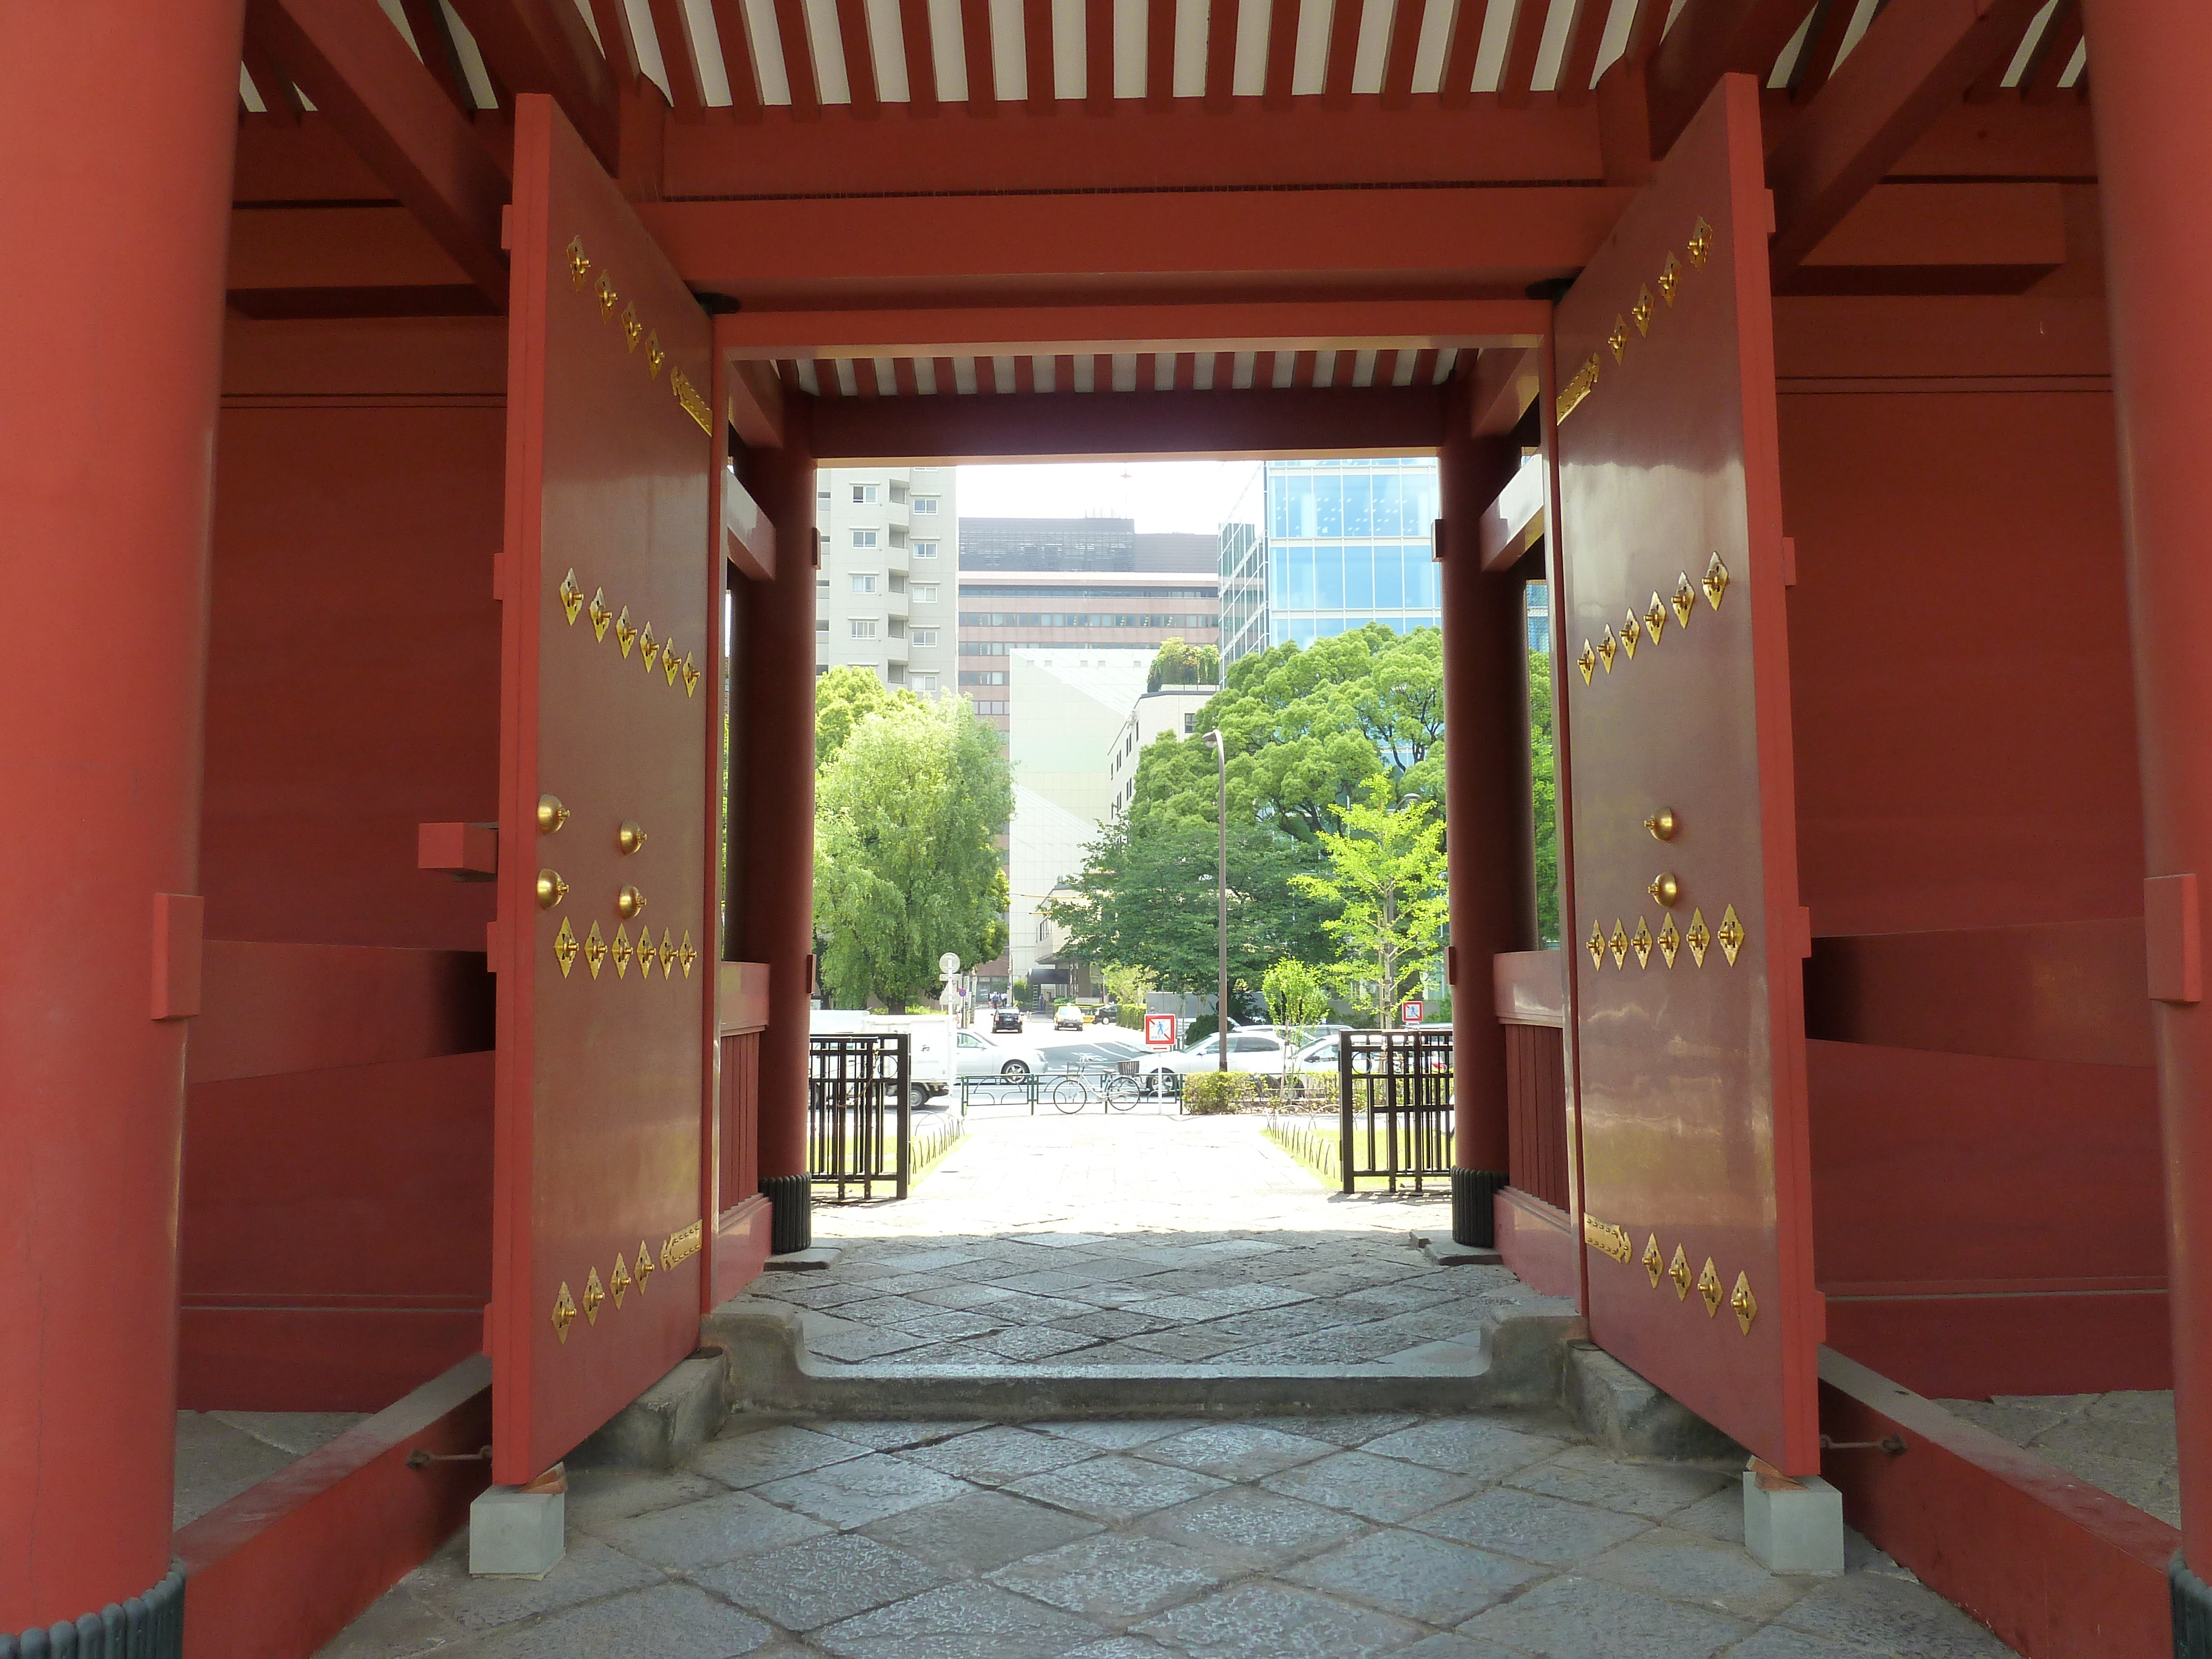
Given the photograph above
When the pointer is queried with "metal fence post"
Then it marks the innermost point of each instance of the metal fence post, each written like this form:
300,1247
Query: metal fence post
905,1110
1344,1099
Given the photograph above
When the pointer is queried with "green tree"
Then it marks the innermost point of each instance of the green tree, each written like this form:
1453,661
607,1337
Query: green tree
1179,662
1545,797
1387,879
904,870
844,697
1297,993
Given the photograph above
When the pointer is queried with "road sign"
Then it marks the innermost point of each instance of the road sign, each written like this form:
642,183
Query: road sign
1412,1012
1159,1030
948,962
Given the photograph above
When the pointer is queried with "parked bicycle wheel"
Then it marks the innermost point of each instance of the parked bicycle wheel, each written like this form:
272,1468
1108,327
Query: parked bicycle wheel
1069,1095
1119,1093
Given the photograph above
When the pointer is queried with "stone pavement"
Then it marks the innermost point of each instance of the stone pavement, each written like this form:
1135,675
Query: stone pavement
2122,1444
221,1454
1297,1538
1139,1240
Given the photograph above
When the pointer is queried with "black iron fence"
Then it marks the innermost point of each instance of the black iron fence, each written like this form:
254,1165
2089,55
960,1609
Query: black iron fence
860,1112
1394,1107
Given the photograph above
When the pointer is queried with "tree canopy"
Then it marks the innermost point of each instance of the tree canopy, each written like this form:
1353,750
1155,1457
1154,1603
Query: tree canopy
1386,879
907,796
1178,662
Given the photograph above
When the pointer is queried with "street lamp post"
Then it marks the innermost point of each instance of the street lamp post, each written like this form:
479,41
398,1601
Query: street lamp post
1221,895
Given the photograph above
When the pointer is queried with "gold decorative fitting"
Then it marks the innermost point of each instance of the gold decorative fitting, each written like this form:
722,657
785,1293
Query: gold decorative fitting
1661,823
551,815
564,1313
654,357
1655,619
1581,387
1665,890
1679,1271
551,889
1640,313
1607,649
1618,339
594,1294
1698,938
622,952
564,947
682,1246
628,902
1716,582
649,648
630,837
599,614
625,635
667,954
690,675
1587,662
685,954
1632,634
1709,1287
1640,942
1670,278
595,951
1608,1238
631,329
571,597
1655,1265
1598,944
1701,242
618,1281
1619,944
1685,599
1742,1304
1730,935
644,1266
671,669
694,405
607,295
1670,942
578,266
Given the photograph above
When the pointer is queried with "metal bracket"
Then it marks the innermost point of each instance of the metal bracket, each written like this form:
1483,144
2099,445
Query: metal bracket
1892,1444
419,1459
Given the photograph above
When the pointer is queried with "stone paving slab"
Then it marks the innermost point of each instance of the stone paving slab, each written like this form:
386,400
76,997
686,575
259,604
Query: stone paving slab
2122,1443
1499,1536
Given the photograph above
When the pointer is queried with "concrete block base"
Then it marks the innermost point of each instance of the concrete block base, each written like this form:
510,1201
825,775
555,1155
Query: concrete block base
1630,1419
1792,1526
668,1422
813,1259
518,1532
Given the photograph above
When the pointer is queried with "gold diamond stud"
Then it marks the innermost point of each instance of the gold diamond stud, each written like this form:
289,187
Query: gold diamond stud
1731,935
1698,938
1654,1263
564,1313
1716,582
1679,1271
564,947
1743,1303
1709,1287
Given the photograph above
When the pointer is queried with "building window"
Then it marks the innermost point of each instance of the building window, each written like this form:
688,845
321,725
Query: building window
863,627
926,683
924,550
899,583
864,584
863,494
822,624
863,538
822,498
1189,723
925,593
898,628
898,494
898,536
896,675
820,669
925,636
925,504
982,676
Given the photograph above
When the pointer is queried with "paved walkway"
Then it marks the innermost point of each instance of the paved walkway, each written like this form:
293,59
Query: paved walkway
1139,1240
1298,1538
2122,1443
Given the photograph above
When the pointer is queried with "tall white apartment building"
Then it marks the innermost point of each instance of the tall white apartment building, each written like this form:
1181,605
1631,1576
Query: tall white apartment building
886,597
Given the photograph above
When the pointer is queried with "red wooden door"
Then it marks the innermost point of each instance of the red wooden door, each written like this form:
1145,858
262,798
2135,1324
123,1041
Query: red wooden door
1688,939
606,582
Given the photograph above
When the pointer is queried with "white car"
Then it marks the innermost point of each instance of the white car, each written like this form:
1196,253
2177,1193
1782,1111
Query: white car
1251,1048
1068,1018
985,1057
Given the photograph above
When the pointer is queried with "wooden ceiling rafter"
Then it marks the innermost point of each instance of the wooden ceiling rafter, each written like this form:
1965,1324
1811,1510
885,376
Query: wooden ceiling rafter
545,45
1710,38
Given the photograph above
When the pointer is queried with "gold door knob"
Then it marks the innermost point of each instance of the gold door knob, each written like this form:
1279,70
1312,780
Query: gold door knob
551,889
551,815
1661,823
631,836
628,902
1665,890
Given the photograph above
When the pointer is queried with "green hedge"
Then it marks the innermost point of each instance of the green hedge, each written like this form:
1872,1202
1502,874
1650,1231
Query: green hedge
1205,1094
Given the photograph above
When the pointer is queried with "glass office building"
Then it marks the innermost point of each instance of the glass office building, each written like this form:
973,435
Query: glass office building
1345,543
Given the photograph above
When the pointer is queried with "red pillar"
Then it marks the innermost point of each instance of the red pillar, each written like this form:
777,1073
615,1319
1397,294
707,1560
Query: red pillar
1485,805
777,709
116,127
2154,167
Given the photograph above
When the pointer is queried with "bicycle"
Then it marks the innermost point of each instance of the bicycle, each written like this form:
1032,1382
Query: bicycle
1114,1090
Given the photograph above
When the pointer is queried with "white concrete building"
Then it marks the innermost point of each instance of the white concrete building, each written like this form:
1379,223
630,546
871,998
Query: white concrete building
1172,709
887,595
1069,704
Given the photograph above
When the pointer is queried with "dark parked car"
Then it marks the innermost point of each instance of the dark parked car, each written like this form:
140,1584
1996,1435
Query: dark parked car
1005,1019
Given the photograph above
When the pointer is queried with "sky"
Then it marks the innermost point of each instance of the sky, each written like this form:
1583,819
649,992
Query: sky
1161,495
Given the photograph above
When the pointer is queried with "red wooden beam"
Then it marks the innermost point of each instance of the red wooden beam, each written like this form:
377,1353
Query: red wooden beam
1097,55
1579,63
1516,79
617,41
1461,47
738,66
1505,384
1159,52
1816,60
859,58
1710,38
352,62
2046,64
756,403
686,95
280,99
975,46
1109,425
1221,53
798,63
434,40
1917,60
1343,50
1282,53
1398,60
1037,56
542,45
